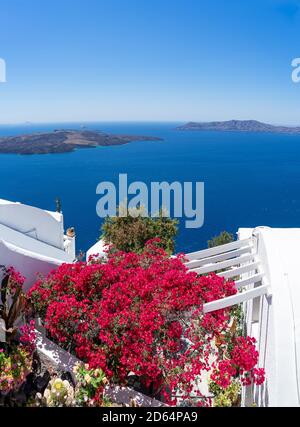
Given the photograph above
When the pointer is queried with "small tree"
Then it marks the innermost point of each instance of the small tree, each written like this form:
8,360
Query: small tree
130,233
221,239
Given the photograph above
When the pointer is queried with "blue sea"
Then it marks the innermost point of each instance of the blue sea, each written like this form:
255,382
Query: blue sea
250,179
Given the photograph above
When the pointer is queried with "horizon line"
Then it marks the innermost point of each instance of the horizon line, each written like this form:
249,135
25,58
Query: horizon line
86,122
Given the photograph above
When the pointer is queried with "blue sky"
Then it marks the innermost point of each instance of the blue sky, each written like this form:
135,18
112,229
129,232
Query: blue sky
156,60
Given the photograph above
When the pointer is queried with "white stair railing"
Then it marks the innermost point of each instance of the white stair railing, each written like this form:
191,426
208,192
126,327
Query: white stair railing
235,299
220,257
206,253
233,262
237,260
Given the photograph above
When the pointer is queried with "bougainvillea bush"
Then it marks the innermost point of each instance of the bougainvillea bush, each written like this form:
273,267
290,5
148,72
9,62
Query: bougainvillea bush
142,313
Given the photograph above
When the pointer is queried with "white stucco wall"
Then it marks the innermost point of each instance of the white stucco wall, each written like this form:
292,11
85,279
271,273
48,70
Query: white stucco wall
32,240
37,223
28,263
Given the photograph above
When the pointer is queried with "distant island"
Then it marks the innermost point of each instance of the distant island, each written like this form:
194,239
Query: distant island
63,141
239,126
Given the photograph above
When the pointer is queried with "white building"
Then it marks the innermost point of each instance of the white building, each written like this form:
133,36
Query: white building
32,240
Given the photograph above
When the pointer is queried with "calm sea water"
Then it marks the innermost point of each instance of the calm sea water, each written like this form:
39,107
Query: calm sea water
250,179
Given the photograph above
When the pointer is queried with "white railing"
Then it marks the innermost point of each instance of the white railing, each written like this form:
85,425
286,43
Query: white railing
220,257
249,280
212,267
237,271
237,260
235,299
206,253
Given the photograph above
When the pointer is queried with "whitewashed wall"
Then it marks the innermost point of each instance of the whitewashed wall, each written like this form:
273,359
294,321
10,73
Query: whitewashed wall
37,223
29,264
32,240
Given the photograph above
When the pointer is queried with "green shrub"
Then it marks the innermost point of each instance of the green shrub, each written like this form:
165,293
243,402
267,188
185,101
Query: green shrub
221,239
130,233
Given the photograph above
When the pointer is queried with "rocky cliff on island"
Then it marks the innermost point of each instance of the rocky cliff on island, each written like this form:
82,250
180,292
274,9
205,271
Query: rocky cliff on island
63,141
238,126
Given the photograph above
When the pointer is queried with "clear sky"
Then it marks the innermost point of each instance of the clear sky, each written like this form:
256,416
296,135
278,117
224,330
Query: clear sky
156,60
